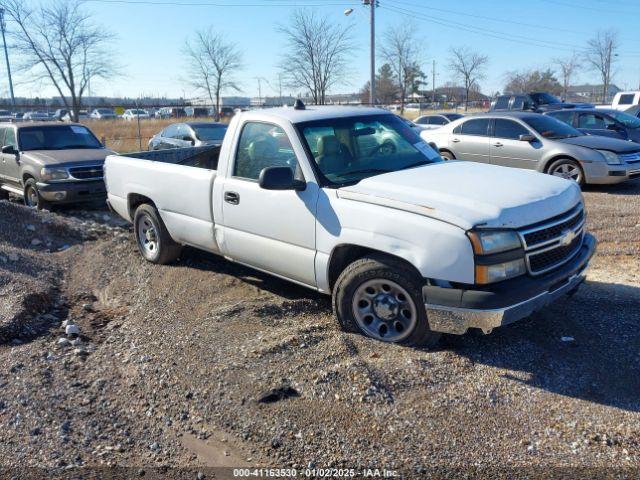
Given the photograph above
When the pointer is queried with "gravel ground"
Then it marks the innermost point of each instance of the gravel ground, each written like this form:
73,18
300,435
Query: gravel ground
206,364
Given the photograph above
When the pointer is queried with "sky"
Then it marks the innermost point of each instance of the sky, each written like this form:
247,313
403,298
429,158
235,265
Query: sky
514,34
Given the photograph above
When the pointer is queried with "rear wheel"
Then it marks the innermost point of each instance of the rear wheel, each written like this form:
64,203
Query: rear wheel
381,298
153,239
32,198
567,168
447,155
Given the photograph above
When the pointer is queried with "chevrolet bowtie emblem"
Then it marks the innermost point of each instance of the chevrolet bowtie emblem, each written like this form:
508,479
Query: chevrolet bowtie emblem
567,237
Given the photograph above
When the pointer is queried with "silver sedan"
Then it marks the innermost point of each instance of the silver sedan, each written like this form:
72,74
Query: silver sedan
537,142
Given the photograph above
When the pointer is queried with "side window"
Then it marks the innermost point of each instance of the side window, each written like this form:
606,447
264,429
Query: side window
593,121
477,126
262,145
182,131
518,102
509,129
566,117
9,138
437,121
626,99
502,103
423,121
3,131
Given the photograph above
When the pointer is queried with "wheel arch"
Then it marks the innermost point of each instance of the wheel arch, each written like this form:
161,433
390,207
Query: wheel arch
345,254
134,200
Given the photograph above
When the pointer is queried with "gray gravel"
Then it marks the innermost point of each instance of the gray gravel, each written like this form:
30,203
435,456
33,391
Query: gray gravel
206,363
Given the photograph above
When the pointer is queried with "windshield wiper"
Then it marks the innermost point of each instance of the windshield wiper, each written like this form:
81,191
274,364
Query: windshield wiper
364,170
416,164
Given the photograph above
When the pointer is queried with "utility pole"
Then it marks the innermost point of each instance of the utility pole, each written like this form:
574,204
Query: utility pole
433,82
6,57
372,89
259,91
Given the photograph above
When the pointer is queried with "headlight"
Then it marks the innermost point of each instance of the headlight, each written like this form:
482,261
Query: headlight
494,241
500,271
610,157
49,174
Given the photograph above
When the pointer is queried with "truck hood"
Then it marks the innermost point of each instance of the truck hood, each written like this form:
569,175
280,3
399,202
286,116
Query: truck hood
602,143
60,157
469,194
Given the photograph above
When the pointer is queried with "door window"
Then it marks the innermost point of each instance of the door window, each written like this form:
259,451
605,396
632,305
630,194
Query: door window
566,117
509,129
10,138
594,121
477,126
262,145
2,135
437,121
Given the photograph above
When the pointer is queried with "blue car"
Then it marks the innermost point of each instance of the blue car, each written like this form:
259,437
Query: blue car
602,122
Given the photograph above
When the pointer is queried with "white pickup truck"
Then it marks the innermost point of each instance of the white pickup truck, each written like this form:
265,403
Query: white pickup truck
351,202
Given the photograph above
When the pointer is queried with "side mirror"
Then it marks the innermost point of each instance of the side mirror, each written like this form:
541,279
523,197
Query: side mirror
527,138
9,150
279,178
613,126
187,138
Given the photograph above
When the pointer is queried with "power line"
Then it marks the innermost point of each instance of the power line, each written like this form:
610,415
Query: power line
217,4
490,33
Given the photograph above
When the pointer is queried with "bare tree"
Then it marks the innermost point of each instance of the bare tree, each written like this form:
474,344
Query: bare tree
532,81
569,66
317,55
57,43
469,67
601,55
212,65
400,50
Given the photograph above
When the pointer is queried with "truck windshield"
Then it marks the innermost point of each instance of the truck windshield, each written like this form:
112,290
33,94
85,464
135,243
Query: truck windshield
347,150
551,128
544,99
61,137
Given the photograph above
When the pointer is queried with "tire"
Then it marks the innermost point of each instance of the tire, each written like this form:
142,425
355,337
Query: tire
153,239
447,155
567,168
32,198
381,297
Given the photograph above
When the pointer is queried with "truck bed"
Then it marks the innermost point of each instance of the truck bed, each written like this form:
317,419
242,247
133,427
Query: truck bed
179,182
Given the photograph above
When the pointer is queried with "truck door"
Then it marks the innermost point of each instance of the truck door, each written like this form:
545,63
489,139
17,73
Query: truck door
270,230
508,150
9,163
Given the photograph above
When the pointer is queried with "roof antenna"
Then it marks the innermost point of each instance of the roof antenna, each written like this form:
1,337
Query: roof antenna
299,105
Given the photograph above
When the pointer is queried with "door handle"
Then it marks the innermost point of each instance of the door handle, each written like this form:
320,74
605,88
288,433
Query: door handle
232,197
455,140
497,144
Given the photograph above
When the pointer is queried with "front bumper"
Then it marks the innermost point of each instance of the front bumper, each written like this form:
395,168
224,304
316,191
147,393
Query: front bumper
604,174
454,311
73,192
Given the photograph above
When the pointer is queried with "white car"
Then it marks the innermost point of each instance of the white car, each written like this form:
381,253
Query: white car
134,114
408,245
36,117
103,114
437,120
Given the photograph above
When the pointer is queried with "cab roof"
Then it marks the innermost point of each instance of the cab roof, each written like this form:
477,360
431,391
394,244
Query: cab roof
315,112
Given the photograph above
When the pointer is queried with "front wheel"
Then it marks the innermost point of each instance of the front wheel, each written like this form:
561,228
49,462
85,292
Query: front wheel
381,298
153,239
32,198
567,168
447,155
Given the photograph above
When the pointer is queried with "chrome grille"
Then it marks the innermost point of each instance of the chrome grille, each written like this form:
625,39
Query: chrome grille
551,244
630,157
88,172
